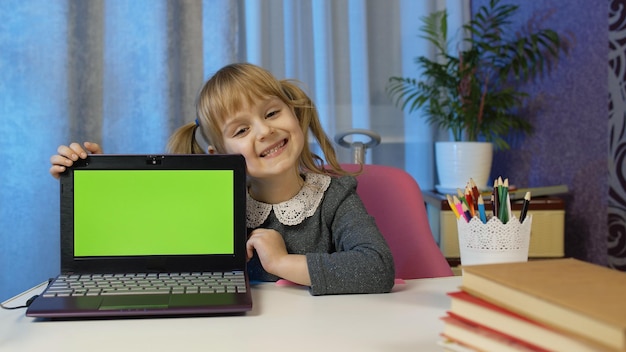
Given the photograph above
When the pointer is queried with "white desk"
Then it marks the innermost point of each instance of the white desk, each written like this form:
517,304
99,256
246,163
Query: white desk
283,318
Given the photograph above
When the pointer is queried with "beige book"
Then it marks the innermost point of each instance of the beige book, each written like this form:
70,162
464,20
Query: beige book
577,297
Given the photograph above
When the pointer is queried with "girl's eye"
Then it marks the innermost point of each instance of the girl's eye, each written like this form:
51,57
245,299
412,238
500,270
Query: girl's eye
240,132
272,114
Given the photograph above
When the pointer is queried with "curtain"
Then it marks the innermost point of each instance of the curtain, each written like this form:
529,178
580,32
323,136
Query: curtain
125,73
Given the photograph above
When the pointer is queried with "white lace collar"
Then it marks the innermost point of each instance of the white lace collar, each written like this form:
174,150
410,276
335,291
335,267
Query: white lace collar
294,210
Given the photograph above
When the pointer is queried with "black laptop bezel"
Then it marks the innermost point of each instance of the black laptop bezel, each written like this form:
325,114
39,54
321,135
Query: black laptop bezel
77,265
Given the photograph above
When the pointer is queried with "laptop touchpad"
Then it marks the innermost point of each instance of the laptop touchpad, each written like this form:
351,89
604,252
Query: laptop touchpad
139,302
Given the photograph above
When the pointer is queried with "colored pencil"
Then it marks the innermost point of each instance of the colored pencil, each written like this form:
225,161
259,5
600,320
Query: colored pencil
452,206
470,200
461,196
503,189
466,212
481,210
475,191
495,199
522,215
459,207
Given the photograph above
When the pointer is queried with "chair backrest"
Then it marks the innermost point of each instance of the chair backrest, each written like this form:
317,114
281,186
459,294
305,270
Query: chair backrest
394,199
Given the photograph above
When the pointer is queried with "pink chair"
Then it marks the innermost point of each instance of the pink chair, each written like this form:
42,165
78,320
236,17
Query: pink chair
394,199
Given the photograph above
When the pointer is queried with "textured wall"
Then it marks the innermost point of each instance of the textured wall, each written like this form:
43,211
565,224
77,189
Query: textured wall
617,135
569,111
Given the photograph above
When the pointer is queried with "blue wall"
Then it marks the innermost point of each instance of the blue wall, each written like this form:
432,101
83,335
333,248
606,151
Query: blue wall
569,111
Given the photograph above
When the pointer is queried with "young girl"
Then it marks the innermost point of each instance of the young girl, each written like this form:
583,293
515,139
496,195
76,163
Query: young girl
306,223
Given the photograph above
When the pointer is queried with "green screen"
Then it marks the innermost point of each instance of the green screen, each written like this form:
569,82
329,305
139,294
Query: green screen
153,212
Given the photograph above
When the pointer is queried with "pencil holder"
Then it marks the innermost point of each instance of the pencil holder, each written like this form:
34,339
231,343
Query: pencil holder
493,242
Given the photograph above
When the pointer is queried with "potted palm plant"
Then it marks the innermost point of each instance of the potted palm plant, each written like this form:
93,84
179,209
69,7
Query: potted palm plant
472,92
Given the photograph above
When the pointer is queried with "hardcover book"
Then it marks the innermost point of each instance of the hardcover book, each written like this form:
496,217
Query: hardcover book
483,313
482,339
569,295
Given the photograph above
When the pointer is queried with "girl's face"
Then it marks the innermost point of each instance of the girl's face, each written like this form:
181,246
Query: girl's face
268,135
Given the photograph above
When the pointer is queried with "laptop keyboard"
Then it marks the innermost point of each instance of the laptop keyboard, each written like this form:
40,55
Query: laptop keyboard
141,284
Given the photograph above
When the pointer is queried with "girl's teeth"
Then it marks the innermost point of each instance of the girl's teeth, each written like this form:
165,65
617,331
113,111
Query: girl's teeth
273,150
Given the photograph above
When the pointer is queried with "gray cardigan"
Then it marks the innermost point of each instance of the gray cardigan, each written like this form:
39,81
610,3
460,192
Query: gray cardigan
345,251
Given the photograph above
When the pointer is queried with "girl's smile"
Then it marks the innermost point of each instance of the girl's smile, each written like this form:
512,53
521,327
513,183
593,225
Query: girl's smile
274,150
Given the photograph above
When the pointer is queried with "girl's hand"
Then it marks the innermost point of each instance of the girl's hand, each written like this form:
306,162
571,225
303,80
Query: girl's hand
67,155
272,252
269,245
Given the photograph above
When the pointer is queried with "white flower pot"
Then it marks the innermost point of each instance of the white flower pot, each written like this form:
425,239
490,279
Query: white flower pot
457,162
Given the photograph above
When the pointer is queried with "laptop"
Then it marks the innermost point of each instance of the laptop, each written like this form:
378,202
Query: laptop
150,235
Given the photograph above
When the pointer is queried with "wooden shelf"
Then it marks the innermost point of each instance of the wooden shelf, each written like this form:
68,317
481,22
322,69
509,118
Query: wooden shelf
547,230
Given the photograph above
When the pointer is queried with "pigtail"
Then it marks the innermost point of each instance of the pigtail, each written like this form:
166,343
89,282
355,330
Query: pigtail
306,112
183,141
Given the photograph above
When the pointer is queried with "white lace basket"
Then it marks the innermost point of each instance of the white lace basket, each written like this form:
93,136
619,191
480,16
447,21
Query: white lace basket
493,242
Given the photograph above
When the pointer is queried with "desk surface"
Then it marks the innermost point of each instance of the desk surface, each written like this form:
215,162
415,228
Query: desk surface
283,318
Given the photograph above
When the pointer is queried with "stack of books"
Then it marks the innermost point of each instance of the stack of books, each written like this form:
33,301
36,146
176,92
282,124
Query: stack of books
541,305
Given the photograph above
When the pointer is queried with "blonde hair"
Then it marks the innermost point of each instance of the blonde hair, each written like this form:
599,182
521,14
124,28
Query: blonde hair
183,141
237,85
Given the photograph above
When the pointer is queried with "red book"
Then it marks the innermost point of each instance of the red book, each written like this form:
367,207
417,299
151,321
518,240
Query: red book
503,321
480,338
